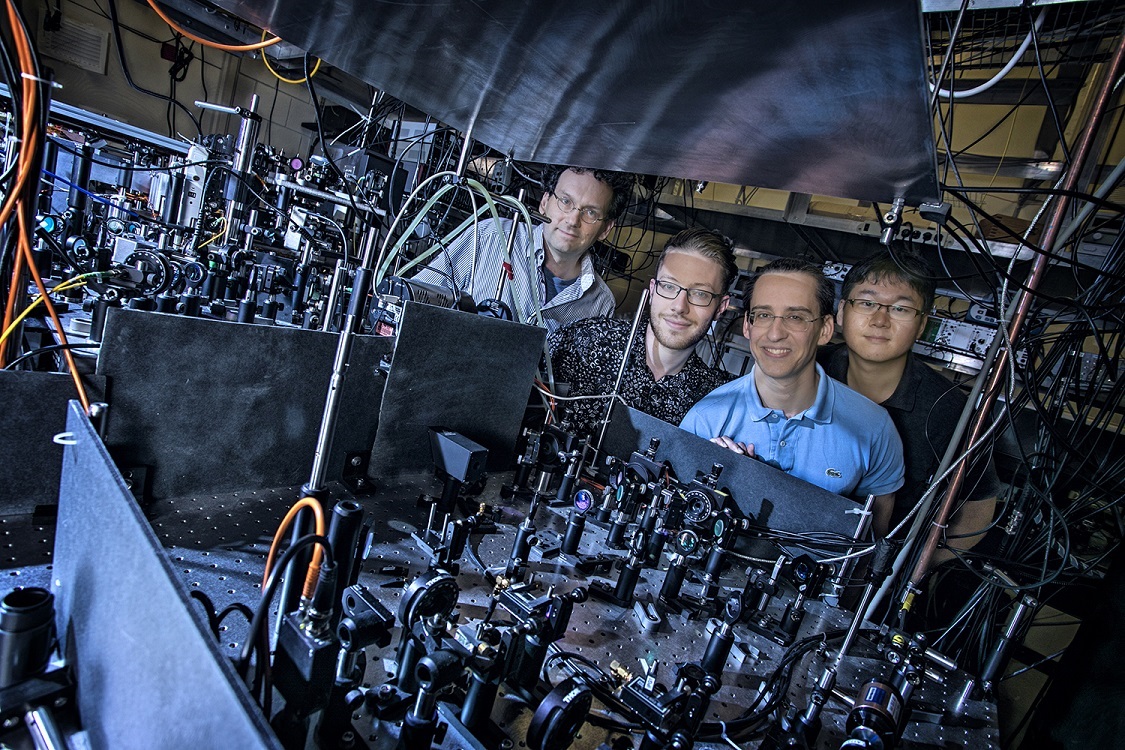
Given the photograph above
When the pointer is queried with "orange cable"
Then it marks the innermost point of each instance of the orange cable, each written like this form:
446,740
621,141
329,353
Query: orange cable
314,565
10,308
278,76
27,158
27,149
208,42
550,400
30,97
30,140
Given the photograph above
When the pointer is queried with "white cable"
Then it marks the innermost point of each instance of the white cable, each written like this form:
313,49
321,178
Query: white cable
402,211
440,244
850,555
592,397
947,94
476,245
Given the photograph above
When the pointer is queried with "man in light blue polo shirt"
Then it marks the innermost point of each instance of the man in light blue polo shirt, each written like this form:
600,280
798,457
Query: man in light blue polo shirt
787,411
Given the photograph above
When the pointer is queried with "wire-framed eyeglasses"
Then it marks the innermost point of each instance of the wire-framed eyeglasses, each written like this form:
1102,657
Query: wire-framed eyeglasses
588,215
901,313
792,323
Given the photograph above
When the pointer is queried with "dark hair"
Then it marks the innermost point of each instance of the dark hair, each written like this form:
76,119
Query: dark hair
621,183
904,266
708,243
825,289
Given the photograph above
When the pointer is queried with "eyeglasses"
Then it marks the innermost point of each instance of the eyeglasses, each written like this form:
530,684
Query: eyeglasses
588,215
894,312
792,323
698,297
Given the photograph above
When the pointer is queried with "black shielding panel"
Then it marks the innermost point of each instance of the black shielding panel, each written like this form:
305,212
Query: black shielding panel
214,406
463,372
35,408
148,672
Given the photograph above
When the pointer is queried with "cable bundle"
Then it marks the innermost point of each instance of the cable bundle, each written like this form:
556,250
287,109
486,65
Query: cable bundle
21,182
1061,519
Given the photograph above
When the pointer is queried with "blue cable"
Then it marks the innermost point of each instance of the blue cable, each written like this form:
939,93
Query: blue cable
98,198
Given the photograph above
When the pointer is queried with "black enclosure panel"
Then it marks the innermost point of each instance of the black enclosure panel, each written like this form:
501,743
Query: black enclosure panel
1083,704
213,406
459,371
35,406
148,671
814,96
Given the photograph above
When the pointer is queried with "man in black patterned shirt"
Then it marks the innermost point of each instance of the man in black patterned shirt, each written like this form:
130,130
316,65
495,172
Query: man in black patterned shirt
663,376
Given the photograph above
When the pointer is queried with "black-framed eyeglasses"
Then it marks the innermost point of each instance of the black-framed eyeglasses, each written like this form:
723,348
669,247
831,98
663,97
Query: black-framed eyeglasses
697,297
792,323
588,215
902,313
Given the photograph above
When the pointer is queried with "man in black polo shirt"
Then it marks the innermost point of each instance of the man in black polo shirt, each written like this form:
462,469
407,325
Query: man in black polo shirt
882,312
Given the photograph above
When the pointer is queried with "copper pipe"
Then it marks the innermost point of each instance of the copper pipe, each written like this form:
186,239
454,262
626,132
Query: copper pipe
1054,224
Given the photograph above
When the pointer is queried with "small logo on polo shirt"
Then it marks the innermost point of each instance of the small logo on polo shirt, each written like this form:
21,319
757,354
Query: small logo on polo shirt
834,473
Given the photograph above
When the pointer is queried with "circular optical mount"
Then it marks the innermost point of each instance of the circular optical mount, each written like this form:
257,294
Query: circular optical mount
698,507
156,272
559,717
79,247
193,272
426,597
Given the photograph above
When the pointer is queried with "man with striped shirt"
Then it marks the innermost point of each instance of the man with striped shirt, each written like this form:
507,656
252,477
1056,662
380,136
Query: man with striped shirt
552,280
